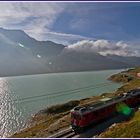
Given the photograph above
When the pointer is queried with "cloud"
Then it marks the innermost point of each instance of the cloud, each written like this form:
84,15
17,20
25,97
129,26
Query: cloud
63,38
34,18
103,47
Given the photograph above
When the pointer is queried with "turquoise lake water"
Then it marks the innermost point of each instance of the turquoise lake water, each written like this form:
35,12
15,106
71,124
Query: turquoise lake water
23,96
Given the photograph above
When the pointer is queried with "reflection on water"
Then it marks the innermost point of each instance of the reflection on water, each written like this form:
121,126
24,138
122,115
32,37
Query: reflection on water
10,115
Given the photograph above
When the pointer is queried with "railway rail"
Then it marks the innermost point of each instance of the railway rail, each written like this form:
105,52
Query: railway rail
67,133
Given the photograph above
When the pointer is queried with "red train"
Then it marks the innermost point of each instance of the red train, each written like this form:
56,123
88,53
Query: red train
83,116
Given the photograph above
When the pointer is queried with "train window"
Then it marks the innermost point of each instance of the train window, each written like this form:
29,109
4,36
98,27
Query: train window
83,109
78,107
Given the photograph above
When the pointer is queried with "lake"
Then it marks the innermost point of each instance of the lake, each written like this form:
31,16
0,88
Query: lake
23,96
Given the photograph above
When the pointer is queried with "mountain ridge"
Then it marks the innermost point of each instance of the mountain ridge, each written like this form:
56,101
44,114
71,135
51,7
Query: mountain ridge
21,54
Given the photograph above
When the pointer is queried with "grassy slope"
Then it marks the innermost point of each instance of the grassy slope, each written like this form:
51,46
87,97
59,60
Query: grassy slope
131,128
50,120
128,129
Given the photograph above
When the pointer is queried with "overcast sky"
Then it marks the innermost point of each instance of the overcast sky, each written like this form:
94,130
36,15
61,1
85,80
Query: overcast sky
70,22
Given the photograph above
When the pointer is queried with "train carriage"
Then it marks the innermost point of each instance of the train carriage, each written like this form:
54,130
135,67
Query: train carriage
83,116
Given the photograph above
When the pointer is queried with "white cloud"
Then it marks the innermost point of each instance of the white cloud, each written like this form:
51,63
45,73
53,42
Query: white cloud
63,38
35,18
103,47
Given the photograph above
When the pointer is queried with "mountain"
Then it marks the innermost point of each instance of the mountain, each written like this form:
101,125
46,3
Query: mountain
133,60
84,61
21,54
44,48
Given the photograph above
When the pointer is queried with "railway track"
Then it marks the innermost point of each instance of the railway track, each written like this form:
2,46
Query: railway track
92,131
67,133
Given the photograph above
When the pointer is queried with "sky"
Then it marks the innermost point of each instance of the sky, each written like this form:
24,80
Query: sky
69,22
